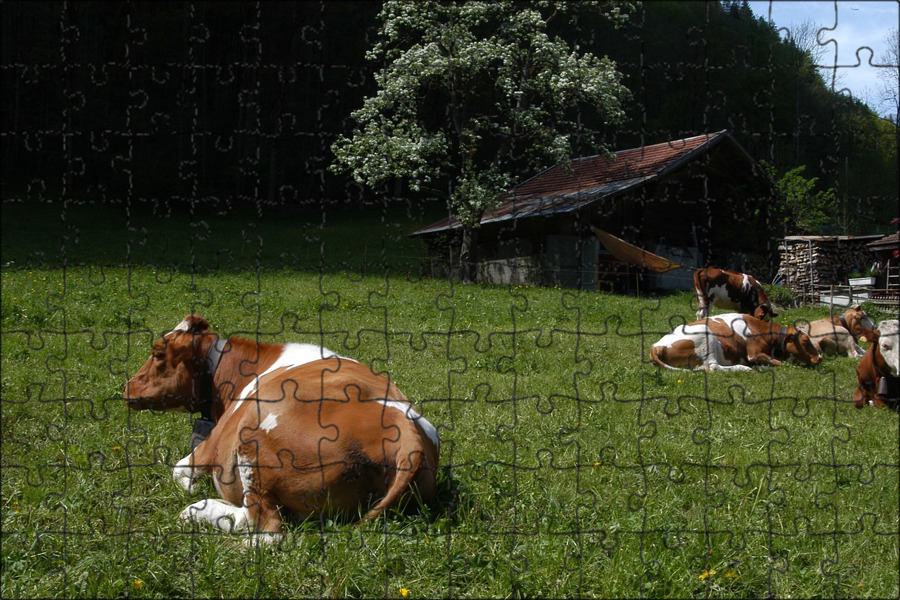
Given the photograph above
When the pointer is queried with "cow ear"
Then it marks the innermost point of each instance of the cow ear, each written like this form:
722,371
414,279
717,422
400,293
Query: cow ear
195,324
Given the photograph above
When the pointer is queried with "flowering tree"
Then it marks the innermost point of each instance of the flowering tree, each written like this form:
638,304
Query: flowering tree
471,93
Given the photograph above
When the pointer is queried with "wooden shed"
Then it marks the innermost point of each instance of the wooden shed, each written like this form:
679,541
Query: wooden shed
697,201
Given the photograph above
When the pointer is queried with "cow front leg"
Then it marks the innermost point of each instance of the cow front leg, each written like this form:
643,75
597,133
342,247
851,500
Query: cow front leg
185,473
763,359
262,519
191,467
702,310
223,515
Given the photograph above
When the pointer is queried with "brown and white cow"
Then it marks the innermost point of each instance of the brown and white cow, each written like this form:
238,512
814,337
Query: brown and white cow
732,342
296,428
840,335
879,369
730,290
857,322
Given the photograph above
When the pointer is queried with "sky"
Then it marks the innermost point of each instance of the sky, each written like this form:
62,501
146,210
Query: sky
850,25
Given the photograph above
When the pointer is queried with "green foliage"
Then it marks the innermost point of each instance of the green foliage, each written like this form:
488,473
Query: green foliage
472,94
781,295
799,207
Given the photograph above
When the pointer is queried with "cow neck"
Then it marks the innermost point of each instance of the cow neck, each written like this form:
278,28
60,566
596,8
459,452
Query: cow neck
245,360
779,346
843,321
207,384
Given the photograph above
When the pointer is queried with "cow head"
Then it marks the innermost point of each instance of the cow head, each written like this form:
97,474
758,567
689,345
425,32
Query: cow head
886,339
765,311
799,346
169,380
859,323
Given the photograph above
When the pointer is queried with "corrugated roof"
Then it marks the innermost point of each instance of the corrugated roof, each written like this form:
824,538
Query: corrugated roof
833,238
888,242
590,179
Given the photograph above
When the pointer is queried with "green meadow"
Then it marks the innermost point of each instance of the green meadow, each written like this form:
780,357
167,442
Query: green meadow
570,465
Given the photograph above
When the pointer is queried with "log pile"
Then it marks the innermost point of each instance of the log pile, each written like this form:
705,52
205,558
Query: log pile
811,262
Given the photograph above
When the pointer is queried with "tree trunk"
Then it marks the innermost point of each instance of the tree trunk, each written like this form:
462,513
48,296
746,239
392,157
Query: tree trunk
467,255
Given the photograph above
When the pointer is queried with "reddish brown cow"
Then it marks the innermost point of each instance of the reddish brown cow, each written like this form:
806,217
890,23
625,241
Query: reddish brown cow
730,290
879,369
296,427
732,342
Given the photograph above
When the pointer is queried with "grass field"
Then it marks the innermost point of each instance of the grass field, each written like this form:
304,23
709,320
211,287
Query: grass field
571,466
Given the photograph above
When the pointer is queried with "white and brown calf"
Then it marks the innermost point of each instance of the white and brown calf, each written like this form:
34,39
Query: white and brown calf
732,342
730,290
297,428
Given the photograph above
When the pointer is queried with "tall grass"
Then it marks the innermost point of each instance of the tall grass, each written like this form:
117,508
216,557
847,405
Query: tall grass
570,465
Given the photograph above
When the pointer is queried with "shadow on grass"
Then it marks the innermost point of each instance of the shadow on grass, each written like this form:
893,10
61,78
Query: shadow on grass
322,239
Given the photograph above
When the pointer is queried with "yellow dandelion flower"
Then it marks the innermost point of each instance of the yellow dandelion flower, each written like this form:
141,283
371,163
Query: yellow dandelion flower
404,593
679,381
138,583
731,575
596,465
706,574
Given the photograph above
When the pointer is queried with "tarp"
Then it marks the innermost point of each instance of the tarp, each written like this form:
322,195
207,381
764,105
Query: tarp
631,254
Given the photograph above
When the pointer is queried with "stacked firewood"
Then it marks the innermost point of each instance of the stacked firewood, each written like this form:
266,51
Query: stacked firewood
805,266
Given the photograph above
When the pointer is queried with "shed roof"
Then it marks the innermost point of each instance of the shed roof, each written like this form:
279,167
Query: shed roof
835,238
888,242
590,179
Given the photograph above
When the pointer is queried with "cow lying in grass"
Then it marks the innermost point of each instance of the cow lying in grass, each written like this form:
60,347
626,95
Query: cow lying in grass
878,370
732,342
296,428
841,334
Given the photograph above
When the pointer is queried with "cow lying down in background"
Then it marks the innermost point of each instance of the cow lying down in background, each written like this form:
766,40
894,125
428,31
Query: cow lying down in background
297,428
732,342
840,335
879,369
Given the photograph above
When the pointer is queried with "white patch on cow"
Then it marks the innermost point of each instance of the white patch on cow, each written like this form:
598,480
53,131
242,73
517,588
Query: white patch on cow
183,326
736,322
415,417
718,296
707,347
292,355
269,422
888,343
223,515
745,283
184,473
